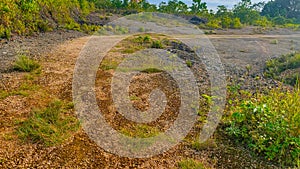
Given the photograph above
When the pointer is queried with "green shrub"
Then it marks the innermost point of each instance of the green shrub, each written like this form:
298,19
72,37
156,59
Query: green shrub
25,64
44,26
280,20
292,26
226,22
157,44
147,38
263,22
141,29
49,126
214,24
189,63
275,67
269,124
73,26
190,164
236,23
23,17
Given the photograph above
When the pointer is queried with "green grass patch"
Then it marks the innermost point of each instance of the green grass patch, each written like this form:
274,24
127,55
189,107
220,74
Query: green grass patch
151,70
24,90
134,97
108,64
140,131
203,146
4,94
25,64
190,164
269,124
49,126
274,42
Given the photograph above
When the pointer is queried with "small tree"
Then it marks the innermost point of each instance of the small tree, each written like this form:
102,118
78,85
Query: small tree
198,7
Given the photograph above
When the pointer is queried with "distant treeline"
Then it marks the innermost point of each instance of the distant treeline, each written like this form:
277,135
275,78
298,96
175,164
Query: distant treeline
23,17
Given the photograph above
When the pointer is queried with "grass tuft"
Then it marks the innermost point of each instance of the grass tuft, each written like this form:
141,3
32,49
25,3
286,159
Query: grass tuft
140,131
190,164
25,64
50,126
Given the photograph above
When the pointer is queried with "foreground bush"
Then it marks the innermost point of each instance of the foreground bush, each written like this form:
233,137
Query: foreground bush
269,124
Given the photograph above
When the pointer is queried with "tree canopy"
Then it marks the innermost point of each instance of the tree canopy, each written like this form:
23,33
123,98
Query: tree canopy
282,8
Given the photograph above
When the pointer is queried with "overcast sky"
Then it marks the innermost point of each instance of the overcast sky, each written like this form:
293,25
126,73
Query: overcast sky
212,4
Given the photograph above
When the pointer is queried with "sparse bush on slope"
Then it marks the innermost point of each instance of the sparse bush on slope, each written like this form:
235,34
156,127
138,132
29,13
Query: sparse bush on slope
23,17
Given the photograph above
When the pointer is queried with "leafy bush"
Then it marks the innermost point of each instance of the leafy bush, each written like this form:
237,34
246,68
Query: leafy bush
214,24
73,26
25,64
263,22
236,23
269,124
226,22
280,20
49,126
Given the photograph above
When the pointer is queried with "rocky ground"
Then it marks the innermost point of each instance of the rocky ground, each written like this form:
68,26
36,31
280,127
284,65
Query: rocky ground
243,56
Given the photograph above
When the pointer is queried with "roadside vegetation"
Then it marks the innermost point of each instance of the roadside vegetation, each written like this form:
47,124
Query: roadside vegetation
24,17
267,122
285,68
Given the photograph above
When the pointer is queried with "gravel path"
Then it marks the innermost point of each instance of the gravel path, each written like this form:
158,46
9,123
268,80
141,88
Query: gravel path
34,46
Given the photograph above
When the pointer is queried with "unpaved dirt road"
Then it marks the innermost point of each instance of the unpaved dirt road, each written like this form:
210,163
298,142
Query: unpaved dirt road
236,52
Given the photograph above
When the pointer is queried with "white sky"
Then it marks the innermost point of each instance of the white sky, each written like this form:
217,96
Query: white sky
212,4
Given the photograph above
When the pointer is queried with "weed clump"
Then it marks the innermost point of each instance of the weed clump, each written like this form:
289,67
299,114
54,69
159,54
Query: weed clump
25,64
50,126
190,163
